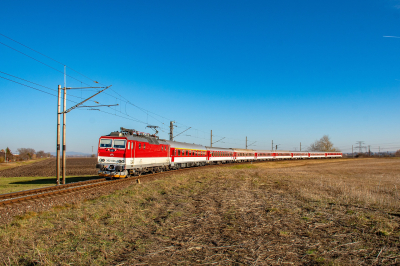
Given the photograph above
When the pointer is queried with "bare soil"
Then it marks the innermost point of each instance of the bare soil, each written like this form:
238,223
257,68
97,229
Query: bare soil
75,167
327,212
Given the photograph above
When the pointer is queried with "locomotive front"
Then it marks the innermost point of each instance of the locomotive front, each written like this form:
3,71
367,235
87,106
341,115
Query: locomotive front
111,159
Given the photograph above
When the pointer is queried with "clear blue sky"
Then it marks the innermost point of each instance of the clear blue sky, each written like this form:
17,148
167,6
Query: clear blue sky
288,71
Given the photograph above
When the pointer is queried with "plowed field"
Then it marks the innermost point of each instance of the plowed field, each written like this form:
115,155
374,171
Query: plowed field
75,166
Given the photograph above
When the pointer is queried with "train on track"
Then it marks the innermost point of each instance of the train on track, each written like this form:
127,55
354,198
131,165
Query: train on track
129,152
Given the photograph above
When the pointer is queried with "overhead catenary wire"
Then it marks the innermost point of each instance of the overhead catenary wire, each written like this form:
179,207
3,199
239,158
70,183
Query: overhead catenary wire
129,118
142,109
42,62
122,98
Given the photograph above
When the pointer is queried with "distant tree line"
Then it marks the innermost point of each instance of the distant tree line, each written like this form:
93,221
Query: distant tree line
24,154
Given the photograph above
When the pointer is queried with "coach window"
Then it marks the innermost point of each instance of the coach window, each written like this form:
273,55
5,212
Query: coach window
144,146
187,153
140,146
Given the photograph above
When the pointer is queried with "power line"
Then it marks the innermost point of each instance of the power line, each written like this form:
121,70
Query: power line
35,83
28,86
123,98
132,119
46,57
41,62
30,48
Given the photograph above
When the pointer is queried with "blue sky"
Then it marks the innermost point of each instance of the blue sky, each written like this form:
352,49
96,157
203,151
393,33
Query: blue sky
288,71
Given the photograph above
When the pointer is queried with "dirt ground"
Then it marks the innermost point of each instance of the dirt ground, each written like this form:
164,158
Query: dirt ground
75,166
328,212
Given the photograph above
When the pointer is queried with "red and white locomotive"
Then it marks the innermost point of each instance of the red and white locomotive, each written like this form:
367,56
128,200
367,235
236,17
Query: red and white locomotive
132,153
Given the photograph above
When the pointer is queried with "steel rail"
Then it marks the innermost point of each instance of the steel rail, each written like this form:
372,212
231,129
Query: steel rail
36,194
42,192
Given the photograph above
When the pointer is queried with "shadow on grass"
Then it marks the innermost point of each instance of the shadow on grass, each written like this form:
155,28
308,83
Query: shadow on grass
52,180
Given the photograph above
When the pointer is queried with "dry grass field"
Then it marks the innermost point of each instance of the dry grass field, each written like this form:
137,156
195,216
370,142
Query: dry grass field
317,212
4,166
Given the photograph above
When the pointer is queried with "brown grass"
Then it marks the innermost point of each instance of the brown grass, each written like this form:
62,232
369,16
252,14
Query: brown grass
328,212
10,165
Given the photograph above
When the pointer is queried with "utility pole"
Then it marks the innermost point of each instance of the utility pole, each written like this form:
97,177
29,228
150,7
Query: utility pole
58,136
64,158
246,142
300,146
171,130
369,150
352,154
272,146
276,148
211,139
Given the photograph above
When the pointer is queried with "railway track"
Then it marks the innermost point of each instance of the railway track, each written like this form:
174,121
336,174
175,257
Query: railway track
54,191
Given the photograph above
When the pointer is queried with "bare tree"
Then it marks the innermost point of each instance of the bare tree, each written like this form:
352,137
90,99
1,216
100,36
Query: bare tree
397,154
27,153
41,154
323,144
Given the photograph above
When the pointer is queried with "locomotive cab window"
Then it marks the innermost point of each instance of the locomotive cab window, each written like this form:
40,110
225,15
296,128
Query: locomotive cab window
105,143
119,143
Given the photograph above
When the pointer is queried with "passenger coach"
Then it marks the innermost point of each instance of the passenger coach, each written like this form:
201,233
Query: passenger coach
132,153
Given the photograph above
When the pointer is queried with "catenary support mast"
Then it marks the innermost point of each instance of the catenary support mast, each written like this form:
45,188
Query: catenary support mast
58,136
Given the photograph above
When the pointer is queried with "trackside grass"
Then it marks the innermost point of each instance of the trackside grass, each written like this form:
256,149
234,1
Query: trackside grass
13,184
327,213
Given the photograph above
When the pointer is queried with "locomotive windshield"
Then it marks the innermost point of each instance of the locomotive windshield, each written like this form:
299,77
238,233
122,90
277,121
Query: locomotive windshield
105,143
119,144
